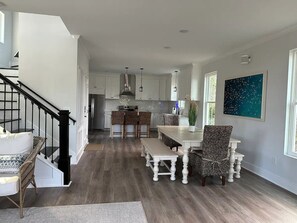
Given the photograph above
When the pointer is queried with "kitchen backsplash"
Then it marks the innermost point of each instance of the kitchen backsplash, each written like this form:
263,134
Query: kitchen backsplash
152,106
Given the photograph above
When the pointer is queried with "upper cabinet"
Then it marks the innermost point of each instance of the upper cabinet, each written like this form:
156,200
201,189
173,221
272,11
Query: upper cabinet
112,90
107,84
155,87
96,84
150,86
188,81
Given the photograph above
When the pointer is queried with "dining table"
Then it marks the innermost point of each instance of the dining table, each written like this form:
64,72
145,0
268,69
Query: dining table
188,140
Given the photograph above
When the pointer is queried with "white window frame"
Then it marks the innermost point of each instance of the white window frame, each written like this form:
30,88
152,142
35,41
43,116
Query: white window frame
291,110
2,26
206,102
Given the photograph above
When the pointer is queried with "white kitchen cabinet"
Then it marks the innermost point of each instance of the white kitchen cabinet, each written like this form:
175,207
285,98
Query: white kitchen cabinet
96,84
112,84
188,82
138,95
165,88
184,83
107,122
150,88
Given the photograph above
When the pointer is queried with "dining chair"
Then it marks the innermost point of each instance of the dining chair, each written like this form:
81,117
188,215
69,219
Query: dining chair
170,119
212,159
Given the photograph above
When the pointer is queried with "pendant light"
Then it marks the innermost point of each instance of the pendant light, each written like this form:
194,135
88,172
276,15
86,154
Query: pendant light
175,87
141,87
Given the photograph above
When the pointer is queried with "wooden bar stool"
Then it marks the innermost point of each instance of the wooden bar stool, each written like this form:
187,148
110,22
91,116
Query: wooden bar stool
144,119
131,118
117,118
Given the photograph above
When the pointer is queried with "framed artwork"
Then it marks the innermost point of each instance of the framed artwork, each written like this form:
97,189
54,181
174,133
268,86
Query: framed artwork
245,96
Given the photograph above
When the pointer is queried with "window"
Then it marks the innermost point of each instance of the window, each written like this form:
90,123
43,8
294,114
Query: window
209,108
291,115
2,24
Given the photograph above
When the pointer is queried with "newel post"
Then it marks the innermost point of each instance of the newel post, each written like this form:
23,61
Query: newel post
64,160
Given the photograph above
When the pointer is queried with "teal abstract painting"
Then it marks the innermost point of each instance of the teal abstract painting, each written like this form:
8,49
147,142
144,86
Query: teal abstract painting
243,96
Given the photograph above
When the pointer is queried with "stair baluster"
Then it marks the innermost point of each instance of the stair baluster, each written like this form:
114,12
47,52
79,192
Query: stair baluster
38,121
52,138
45,130
4,101
11,107
19,110
32,115
25,113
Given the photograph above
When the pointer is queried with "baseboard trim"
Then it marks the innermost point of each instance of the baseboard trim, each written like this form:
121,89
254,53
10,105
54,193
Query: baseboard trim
279,181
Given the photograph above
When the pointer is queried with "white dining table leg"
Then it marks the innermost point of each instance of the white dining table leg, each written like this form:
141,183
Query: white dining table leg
185,165
232,160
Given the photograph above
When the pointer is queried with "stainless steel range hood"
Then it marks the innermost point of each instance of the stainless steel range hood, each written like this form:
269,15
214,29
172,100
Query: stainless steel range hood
127,84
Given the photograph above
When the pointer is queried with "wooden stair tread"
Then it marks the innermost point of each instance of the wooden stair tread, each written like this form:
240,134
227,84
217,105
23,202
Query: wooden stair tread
22,130
49,150
9,109
8,101
9,120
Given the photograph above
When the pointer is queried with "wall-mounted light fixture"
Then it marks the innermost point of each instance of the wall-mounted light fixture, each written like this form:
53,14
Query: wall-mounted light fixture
245,59
141,87
175,87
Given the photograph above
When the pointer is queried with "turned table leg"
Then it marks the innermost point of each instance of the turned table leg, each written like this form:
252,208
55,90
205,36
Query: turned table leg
238,167
156,169
185,165
172,170
147,159
232,160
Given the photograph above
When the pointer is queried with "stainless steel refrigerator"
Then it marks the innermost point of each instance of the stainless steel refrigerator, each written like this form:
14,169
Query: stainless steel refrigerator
96,111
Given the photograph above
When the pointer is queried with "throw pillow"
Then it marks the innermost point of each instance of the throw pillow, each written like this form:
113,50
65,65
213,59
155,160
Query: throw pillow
18,143
12,163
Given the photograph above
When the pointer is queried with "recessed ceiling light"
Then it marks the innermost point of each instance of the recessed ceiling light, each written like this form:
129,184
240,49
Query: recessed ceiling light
167,47
2,4
184,31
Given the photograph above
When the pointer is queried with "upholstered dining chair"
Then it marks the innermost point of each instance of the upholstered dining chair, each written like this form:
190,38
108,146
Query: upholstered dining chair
212,159
170,119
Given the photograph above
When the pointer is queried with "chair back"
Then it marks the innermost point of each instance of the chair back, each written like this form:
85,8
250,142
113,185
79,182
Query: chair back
170,119
144,118
216,142
131,118
117,117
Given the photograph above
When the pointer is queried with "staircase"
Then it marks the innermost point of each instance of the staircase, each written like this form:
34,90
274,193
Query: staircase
23,110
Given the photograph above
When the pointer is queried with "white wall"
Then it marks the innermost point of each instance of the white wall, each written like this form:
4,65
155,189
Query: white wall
48,62
262,142
5,48
83,59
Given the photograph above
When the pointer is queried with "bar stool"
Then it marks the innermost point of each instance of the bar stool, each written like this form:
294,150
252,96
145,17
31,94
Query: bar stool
117,118
144,119
131,118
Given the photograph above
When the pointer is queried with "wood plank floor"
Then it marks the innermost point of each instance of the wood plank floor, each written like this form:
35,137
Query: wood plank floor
117,173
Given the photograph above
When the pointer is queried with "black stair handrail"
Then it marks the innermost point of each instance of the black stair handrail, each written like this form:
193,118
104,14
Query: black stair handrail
55,107
27,95
62,117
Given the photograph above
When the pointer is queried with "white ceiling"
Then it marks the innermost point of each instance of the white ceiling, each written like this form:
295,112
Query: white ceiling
133,33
